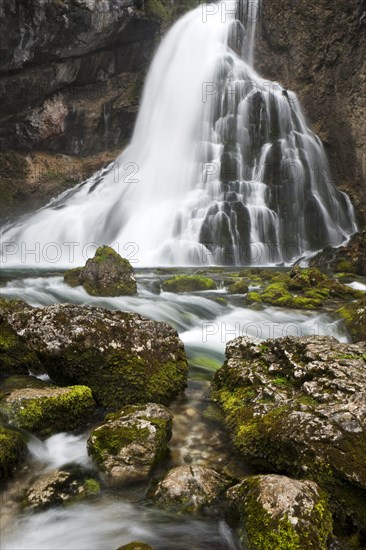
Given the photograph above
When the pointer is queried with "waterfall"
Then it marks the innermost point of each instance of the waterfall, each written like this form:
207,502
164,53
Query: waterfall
221,168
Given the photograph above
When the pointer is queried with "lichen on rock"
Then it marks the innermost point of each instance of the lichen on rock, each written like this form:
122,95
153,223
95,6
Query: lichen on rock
131,442
276,512
123,357
190,489
354,317
297,406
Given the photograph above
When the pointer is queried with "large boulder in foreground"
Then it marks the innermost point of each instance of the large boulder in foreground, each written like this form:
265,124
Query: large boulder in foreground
190,489
281,513
298,406
45,410
123,357
107,274
131,442
12,450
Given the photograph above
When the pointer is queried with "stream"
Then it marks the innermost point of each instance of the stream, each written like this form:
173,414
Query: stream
205,322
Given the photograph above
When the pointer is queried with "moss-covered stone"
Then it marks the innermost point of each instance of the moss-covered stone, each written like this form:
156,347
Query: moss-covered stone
131,442
107,274
354,316
276,512
48,410
293,405
239,287
15,356
188,283
12,451
123,357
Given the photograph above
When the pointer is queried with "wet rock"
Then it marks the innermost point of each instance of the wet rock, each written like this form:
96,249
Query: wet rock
190,489
107,274
354,316
188,283
61,487
123,357
47,410
131,442
279,512
297,406
12,450
350,258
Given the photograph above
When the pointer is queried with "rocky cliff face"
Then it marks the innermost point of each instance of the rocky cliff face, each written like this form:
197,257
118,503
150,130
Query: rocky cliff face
71,76
317,48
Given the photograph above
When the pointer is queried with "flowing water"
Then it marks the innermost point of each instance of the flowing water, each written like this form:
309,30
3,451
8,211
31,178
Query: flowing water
205,322
222,167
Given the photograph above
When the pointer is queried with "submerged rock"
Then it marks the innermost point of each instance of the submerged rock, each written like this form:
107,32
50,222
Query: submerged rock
47,410
59,488
354,316
297,405
277,512
123,357
190,489
12,450
188,283
131,442
107,274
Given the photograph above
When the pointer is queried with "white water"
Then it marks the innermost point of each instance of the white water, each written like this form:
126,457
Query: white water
221,167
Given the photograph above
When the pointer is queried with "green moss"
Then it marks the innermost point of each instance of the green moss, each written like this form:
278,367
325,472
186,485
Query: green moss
239,287
261,531
48,414
15,356
12,451
159,9
254,297
72,277
188,283
136,546
109,440
92,487
354,316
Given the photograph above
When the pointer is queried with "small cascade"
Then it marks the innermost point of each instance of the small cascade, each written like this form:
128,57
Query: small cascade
221,169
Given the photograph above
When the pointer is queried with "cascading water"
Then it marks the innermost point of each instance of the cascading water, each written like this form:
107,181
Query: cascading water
221,167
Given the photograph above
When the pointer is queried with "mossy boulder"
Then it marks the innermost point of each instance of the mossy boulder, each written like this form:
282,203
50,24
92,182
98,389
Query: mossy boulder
107,274
354,316
131,442
15,357
123,357
301,289
188,283
297,406
49,409
238,287
12,450
190,489
276,512
61,487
